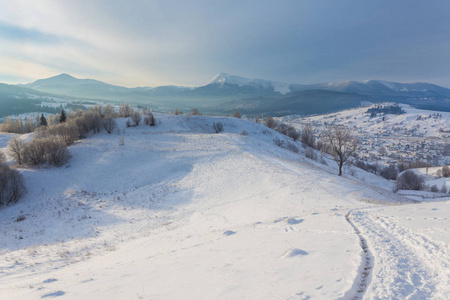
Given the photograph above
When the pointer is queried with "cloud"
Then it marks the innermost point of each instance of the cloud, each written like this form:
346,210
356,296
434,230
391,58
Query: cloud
187,42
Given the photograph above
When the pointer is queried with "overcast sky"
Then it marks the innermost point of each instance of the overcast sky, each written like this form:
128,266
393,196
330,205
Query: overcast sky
151,43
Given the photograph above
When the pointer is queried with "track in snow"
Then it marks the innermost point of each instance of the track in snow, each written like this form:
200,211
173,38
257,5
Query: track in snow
365,273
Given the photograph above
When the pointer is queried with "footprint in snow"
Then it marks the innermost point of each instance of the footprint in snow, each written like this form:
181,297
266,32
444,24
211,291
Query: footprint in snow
293,221
50,280
229,232
55,294
295,252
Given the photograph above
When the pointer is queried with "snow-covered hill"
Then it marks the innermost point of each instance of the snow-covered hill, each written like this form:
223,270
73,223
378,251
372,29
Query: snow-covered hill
179,212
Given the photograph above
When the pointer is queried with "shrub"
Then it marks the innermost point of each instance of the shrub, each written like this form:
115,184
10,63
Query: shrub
243,132
66,132
45,150
125,110
269,122
109,124
195,112
2,158
443,189
291,147
34,152
307,136
434,189
136,118
12,185
310,153
236,114
218,127
389,172
56,152
445,171
15,149
149,119
409,180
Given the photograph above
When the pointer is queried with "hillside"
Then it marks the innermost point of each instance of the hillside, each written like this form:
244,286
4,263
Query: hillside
179,212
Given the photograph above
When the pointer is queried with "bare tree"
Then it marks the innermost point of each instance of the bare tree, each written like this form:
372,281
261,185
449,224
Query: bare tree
15,149
341,144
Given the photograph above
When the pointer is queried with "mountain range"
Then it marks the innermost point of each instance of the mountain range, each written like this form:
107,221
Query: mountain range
225,92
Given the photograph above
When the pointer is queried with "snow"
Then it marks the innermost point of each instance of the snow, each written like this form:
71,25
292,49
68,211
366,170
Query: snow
179,212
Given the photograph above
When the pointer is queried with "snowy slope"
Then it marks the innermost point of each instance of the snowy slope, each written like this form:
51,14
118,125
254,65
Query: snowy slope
180,212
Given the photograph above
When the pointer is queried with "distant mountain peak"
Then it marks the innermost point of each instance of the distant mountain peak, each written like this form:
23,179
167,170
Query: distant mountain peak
223,78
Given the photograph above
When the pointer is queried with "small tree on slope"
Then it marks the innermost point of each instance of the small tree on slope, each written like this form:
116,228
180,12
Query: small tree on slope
341,145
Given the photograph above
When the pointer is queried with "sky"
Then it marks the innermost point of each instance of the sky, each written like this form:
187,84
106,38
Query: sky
152,43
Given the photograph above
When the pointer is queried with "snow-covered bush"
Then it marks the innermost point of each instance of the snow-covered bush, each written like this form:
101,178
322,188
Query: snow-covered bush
409,180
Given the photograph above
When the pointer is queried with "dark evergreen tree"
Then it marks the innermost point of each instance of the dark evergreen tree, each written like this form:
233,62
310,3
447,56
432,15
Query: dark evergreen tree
62,117
43,120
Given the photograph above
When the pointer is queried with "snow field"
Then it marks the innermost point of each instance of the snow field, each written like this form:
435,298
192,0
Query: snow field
179,212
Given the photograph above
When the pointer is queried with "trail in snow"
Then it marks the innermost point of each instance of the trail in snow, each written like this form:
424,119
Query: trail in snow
363,279
409,265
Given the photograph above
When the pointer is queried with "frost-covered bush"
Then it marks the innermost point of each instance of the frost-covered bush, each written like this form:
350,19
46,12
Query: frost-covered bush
308,137
218,127
195,112
12,185
45,150
236,114
243,132
310,153
56,152
136,118
109,124
389,172
149,119
434,189
409,180
445,171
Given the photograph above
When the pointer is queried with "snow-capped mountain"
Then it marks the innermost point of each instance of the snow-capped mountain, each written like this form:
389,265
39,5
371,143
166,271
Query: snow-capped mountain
227,79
